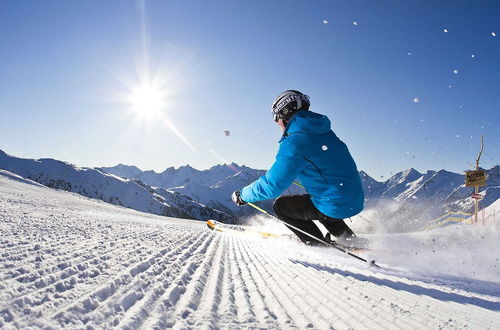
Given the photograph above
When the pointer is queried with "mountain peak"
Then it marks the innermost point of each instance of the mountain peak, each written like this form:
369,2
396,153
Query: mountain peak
130,167
408,175
411,172
187,167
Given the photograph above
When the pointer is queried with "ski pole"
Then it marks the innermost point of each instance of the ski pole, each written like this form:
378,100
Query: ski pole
371,263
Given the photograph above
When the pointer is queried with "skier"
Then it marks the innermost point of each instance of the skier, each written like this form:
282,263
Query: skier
311,152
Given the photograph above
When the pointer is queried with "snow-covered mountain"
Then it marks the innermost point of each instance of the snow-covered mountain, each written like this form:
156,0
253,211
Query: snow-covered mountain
434,189
212,187
408,195
409,200
110,188
426,195
125,171
399,183
460,199
181,176
371,187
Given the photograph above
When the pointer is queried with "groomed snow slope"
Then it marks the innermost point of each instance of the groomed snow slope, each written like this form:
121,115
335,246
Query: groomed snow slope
69,261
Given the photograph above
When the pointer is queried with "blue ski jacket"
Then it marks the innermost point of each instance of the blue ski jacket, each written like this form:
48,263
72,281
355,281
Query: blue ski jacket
311,152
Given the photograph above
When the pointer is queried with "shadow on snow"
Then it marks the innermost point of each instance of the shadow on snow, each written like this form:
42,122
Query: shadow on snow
411,288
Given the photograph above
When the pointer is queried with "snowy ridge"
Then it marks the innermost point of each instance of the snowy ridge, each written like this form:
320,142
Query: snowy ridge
441,186
73,262
114,189
435,192
408,196
181,176
410,200
212,187
397,184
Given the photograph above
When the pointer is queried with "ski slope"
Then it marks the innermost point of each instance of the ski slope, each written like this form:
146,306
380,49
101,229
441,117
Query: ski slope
69,261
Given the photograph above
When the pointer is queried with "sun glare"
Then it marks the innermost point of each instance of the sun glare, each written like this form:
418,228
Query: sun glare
147,100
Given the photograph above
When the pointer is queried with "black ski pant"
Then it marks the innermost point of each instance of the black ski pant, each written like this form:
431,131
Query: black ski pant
299,211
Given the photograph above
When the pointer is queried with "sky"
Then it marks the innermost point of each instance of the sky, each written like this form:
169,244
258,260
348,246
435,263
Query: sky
156,83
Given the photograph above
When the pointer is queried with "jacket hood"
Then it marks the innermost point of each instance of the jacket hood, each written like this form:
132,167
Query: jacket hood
307,122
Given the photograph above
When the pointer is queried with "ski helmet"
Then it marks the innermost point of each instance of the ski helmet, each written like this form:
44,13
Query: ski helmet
288,103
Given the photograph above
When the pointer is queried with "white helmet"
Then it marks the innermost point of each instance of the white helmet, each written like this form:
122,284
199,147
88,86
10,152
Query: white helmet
288,103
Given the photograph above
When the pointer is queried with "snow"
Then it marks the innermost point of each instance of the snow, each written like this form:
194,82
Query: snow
125,171
74,262
459,252
492,213
111,188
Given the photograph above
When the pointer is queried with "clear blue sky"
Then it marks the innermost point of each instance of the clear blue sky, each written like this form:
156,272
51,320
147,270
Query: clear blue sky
68,70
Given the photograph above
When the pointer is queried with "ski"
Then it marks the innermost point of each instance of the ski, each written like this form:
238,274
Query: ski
219,226
223,227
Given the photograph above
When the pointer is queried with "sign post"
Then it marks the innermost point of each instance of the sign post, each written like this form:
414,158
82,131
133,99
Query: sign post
476,179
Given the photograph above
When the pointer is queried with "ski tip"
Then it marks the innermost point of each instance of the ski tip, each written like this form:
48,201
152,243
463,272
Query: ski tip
372,263
211,224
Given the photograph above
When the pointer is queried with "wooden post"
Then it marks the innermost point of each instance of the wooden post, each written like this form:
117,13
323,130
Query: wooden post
476,188
476,178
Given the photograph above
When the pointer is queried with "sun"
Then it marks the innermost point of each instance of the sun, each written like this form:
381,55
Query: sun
147,100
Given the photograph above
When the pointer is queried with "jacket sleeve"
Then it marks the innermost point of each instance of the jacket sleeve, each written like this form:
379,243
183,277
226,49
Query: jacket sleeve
288,164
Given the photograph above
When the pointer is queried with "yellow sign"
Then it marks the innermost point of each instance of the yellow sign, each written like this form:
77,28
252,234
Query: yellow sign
475,178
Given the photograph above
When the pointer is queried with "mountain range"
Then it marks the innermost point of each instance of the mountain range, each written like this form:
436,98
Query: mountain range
94,183
203,194
420,196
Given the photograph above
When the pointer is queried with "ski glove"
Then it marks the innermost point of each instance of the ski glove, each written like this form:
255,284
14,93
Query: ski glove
237,199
